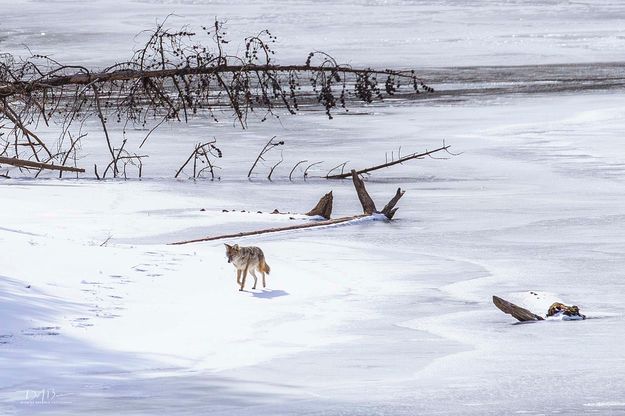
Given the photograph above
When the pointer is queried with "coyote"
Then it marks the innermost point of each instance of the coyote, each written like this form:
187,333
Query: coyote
247,259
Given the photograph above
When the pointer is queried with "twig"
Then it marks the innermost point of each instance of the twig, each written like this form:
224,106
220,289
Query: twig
270,145
151,131
296,165
310,166
342,166
275,166
106,134
200,150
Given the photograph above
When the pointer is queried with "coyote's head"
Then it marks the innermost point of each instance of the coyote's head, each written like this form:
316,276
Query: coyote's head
231,251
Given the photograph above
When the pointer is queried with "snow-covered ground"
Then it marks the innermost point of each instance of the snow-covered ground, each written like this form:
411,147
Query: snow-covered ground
99,314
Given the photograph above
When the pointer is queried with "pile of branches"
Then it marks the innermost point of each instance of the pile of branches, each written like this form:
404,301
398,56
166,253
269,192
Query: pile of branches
176,75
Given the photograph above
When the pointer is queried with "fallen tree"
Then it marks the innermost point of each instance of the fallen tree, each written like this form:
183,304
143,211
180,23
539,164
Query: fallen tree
173,77
324,205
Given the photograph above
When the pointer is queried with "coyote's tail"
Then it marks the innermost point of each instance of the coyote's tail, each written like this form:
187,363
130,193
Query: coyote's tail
265,267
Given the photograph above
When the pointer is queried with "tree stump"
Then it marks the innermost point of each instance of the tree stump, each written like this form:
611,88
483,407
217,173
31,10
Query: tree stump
323,207
389,209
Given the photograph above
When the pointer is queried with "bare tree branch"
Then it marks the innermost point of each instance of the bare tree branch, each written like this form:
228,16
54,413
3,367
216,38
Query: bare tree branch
386,165
294,167
29,164
270,145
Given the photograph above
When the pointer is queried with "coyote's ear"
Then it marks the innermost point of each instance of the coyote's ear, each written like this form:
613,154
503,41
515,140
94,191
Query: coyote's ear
236,246
229,247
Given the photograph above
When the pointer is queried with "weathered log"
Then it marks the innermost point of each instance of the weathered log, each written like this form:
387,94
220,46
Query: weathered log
519,313
29,164
368,206
274,230
323,207
386,165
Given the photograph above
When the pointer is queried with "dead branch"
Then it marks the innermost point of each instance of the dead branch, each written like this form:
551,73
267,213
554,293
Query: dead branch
310,166
389,209
202,152
275,166
386,165
342,166
314,224
147,136
8,89
116,157
29,164
368,206
323,207
8,112
294,167
270,145
104,129
69,151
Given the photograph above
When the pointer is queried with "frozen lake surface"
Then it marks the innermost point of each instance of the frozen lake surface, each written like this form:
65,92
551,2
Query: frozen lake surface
98,314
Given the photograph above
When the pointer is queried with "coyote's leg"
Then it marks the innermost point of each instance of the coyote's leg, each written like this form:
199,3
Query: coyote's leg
263,279
239,277
243,280
255,278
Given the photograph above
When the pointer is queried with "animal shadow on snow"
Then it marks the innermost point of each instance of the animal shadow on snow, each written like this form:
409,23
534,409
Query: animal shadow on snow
270,294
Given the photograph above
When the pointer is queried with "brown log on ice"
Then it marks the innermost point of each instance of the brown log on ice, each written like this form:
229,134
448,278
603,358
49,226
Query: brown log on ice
519,313
368,206
323,207
389,209
324,204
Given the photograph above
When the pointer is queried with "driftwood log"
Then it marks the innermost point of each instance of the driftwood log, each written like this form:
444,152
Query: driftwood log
368,206
518,312
389,209
324,206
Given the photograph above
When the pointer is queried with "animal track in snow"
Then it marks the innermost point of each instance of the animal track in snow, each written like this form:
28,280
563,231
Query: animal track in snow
41,331
5,339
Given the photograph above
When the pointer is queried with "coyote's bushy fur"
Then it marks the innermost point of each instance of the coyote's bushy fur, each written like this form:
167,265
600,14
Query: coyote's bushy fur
247,259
